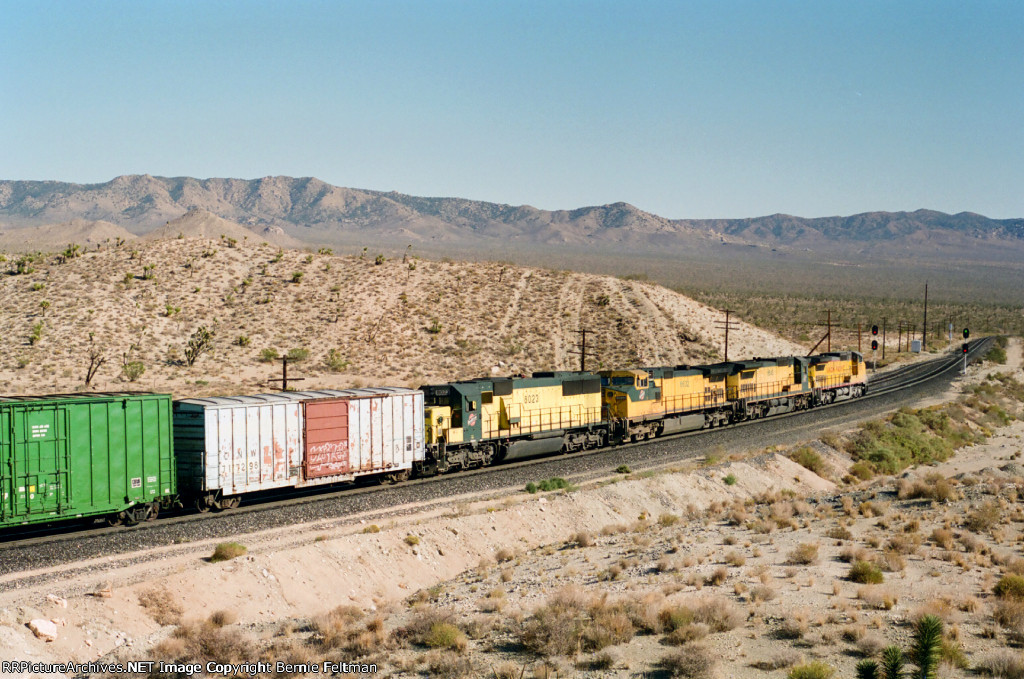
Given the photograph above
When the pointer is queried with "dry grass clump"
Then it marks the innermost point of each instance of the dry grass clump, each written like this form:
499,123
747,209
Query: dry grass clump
853,554
904,543
866,573
582,539
839,533
983,517
493,602
435,628
934,486
871,645
891,561
693,661
777,661
794,626
222,618
504,554
1009,613
226,551
762,593
1010,587
812,670
161,606
1003,663
804,554
734,558
446,664
881,598
717,577
943,538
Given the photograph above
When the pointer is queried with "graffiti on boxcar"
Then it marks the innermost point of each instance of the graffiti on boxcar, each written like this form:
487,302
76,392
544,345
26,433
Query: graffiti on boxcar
327,458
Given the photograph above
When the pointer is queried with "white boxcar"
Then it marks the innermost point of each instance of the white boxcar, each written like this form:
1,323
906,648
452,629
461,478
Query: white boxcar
229,446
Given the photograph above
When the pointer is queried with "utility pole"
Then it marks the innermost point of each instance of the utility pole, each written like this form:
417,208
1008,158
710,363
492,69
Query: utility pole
583,348
899,338
858,338
924,328
726,325
284,375
883,338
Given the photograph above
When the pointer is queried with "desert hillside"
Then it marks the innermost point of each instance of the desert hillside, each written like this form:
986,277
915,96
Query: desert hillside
348,321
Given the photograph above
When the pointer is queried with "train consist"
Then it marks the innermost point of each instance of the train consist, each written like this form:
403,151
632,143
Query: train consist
125,456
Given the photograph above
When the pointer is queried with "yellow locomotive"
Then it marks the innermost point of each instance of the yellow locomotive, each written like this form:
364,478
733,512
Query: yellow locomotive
475,422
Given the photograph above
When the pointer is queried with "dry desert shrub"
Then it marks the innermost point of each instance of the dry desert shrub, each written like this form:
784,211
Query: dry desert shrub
717,577
508,670
804,554
693,661
794,626
1003,664
450,665
891,561
853,554
777,661
734,558
161,606
202,642
762,593
904,544
870,645
1010,587
222,618
572,622
943,538
718,613
984,517
582,539
866,573
881,598
504,554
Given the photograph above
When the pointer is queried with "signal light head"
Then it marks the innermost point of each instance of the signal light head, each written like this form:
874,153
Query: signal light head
967,333
963,348
874,345
874,329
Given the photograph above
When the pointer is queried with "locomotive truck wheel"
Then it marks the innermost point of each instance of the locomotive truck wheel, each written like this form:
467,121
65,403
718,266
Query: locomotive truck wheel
115,519
154,511
230,502
204,503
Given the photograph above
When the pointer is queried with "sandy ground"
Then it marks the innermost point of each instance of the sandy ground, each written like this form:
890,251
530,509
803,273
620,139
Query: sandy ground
308,570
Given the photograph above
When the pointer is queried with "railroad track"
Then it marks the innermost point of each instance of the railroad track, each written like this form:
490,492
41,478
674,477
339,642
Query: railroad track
35,547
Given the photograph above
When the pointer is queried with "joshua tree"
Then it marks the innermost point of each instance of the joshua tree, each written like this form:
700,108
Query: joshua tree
927,644
199,343
892,662
867,669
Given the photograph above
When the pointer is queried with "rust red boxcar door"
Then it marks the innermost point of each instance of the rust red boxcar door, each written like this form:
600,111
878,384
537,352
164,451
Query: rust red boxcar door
326,438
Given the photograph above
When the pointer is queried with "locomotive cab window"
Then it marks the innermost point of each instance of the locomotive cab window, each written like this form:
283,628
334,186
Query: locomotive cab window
470,406
746,374
487,397
641,383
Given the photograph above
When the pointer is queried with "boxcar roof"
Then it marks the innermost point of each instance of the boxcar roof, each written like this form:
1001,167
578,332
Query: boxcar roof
94,396
293,396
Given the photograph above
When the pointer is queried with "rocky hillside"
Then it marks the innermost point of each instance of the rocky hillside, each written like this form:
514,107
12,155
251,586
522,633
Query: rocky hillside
316,212
347,321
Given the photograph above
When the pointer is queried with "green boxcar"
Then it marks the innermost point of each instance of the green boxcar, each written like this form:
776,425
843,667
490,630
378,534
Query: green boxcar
67,456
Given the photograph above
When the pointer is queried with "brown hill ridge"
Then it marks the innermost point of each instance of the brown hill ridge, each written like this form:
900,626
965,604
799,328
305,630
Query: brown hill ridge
315,212
198,223
59,236
358,323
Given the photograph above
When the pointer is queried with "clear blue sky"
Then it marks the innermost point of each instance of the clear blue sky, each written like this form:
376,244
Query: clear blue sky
685,109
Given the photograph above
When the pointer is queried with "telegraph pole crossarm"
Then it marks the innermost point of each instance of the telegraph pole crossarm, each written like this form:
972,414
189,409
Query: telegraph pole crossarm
284,375
726,325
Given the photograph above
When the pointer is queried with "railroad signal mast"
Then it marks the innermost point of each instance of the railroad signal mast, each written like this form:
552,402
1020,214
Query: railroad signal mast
964,348
874,347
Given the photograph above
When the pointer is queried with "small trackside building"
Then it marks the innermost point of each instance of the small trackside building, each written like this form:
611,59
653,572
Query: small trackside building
230,446
85,455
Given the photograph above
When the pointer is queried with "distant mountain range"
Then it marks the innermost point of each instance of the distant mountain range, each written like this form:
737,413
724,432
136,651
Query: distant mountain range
313,211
